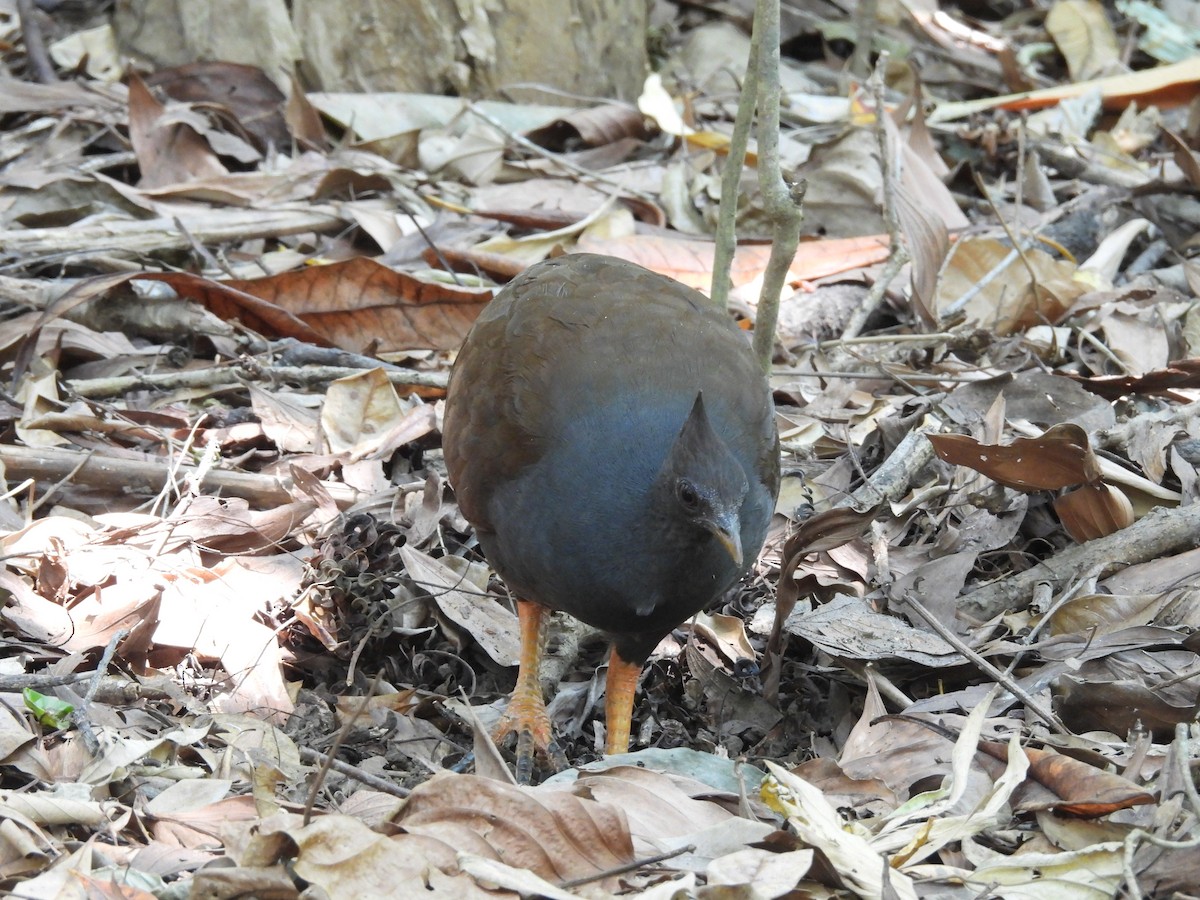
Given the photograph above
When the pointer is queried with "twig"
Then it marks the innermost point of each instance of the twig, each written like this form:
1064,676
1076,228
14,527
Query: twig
149,475
986,667
14,683
898,255
628,867
35,44
868,672
338,739
219,376
1182,757
585,174
134,237
53,489
866,16
731,180
1162,532
783,203
308,754
80,716
895,476
1120,435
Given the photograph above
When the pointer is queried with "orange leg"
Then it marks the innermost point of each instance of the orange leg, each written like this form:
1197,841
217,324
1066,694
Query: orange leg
618,702
526,714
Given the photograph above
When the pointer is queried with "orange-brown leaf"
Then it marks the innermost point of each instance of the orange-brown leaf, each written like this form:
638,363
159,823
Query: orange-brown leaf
1060,458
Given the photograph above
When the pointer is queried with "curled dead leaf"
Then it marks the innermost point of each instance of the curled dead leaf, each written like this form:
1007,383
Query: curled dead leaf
1094,510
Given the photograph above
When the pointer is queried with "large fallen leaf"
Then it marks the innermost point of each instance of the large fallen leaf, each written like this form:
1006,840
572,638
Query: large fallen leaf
1061,457
356,305
553,833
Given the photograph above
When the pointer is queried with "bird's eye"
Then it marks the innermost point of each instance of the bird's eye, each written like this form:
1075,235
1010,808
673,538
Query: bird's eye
686,492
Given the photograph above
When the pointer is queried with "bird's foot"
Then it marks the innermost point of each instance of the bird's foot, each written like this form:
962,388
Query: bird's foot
526,717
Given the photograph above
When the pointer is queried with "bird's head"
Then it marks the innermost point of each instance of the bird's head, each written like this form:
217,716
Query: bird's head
707,485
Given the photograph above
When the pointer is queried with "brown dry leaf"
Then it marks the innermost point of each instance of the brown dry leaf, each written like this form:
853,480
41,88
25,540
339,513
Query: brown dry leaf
105,102
1093,510
1082,789
31,615
14,732
735,708
357,410
100,888
866,796
42,808
359,304
130,605
364,418
928,243
1182,373
847,628
1106,613
767,874
1117,706
1184,156
242,95
819,533
343,857
228,303
200,826
169,147
203,523
245,881
856,864
828,530
666,811
397,701
62,334
727,634
288,419
1061,457
594,126
215,613
554,834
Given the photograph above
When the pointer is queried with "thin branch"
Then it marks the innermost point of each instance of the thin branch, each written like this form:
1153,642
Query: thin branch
898,255
36,53
731,180
1002,678
782,202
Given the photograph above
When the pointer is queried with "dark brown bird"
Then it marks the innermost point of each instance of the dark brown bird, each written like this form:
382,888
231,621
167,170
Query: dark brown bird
611,437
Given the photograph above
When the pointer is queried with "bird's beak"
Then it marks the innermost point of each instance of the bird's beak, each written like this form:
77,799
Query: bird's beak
727,532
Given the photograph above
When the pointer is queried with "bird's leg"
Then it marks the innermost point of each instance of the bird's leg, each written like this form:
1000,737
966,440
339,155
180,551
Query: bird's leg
619,689
526,714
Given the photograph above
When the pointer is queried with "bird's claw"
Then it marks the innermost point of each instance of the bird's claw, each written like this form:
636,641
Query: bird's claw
530,722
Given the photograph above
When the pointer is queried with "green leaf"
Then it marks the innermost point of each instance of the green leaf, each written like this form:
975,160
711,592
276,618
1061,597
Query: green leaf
50,711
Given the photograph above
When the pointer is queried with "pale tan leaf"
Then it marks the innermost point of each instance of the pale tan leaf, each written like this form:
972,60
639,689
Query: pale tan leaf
1085,37
493,626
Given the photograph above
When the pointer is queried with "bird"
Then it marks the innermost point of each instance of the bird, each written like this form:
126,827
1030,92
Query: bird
611,438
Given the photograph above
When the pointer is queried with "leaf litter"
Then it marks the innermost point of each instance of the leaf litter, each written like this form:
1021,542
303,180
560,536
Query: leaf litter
250,646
